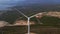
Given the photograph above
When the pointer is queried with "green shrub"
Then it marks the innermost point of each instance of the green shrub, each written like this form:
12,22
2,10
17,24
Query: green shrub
49,20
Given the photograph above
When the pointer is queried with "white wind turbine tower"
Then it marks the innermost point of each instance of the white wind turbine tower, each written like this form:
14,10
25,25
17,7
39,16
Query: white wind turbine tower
28,18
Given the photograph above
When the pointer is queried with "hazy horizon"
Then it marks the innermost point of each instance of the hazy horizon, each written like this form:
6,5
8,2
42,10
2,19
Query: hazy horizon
10,3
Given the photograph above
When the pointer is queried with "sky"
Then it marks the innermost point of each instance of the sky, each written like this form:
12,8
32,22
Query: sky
9,3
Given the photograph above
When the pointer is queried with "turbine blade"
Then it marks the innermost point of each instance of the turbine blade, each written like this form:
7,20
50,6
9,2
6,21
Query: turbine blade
21,13
38,14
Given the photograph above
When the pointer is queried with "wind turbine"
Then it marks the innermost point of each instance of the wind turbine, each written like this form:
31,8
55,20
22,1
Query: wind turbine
27,21
28,18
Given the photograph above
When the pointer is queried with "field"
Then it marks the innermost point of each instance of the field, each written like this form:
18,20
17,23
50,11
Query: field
34,28
51,25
